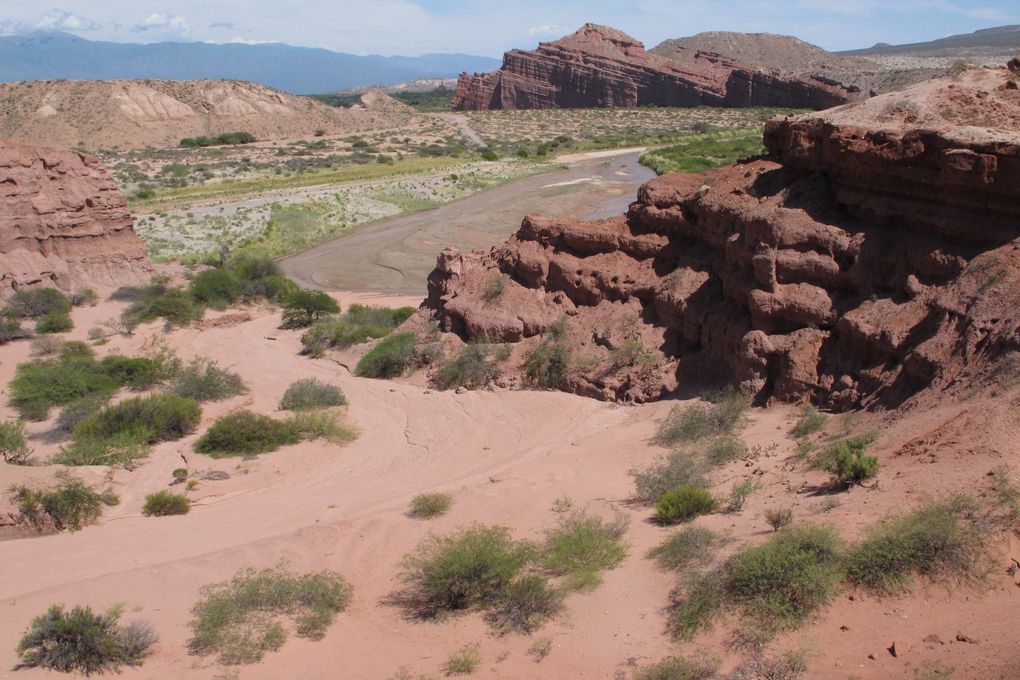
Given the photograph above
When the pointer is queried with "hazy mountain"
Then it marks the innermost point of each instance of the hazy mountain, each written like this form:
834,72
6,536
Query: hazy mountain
300,70
989,41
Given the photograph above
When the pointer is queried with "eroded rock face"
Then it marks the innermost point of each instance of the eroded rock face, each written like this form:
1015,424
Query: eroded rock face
63,222
602,67
865,261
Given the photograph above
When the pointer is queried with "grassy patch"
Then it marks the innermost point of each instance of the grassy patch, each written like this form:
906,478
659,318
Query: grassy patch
148,420
204,380
690,547
13,445
684,504
164,503
697,604
310,393
475,365
324,425
359,324
939,540
246,433
704,152
464,661
809,421
429,505
724,449
42,384
679,668
581,546
693,422
240,620
391,358
676,470
81,641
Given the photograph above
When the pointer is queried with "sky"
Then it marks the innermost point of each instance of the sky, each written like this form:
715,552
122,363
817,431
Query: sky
488,27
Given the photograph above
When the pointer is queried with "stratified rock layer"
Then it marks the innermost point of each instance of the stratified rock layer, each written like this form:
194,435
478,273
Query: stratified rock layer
874,255
63,222
602,67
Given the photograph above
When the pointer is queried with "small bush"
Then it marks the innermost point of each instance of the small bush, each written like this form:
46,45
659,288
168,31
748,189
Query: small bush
152,419
305,307
38,302
739,494
54,323
581,546
463,662
777,518
684,504
246,433
429,505
82,297
118,449
46,345
697,605
725,449
81,641
689,547
548,365
203,380
474,366
163,503
469,568
359,324
72,505
322,425
693,422
217,288
936,541
847,464
310,393
391,358
13,444
160,300
677,470
788,577
10,327
679,668
809,421
138,373
524,604
238,620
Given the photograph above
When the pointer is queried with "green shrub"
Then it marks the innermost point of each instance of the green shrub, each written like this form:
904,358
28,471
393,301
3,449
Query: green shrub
391,358
305,307
548,364
466,569
676,470
81,641
581,546
38,302
724,449
693,422
82,297
118,449
54,323
846,462
429,505
160,300
739,493
684,504
679,668
809,421
13,444
39,385
163,503
72,505
203,380
463,662
152,419
692,546
246,433
697,604
359,324
323,425
777,518
474,366
310,393
138,373
10,327
524,604
239,620
217,288
788,577
260,278
76,350
935,541
489,155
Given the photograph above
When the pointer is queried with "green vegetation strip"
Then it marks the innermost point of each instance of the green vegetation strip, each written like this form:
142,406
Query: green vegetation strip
704,152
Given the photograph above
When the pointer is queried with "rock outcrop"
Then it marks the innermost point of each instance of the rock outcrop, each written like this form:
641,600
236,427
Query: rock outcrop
63,222
601,67
874,255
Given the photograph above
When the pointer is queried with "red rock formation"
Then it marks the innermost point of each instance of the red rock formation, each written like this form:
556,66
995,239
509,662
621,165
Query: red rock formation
873,256
63,222
600,66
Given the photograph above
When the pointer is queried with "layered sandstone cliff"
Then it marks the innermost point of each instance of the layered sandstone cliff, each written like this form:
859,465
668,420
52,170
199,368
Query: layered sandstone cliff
875,254
63,222
602,67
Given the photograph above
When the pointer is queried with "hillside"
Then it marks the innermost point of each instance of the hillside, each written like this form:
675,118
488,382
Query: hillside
133,114
299,70
1001,40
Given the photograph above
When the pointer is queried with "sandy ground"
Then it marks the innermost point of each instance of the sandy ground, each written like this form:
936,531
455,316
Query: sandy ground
505,457
396,255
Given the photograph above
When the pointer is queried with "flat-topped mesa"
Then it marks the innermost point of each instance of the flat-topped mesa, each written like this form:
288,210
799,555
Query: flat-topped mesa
64,222
601,67
874,257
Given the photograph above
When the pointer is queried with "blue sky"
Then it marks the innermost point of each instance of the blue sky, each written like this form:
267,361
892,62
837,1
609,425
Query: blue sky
490,27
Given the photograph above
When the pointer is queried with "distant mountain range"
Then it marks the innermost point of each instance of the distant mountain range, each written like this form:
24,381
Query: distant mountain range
989,41
298,70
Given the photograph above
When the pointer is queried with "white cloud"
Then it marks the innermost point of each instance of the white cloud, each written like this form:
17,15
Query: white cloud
62,20
248,41
548,29
162,23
